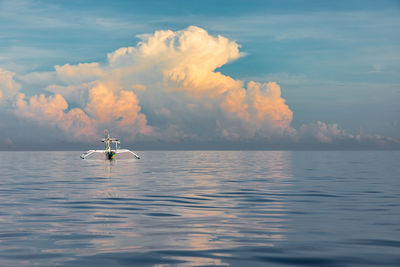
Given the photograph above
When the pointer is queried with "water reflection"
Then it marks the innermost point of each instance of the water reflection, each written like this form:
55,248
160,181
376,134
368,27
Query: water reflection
162,207
191,201
200,208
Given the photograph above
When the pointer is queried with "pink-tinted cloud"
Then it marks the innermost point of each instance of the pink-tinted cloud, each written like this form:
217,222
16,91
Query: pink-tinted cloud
52,110
107,107
261,110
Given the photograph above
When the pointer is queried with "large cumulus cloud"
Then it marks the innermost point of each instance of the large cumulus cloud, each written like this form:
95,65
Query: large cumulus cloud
164,88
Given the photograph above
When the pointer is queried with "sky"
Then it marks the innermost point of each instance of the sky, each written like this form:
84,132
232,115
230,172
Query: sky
200,74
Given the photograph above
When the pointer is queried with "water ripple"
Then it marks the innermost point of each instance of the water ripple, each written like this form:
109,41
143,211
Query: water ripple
198,208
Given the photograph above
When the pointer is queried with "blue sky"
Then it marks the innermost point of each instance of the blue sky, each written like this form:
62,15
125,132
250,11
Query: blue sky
335,61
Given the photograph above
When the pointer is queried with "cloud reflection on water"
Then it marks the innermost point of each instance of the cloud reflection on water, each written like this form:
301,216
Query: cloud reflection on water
192,201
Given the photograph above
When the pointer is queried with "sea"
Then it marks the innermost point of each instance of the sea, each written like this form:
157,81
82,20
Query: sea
201,208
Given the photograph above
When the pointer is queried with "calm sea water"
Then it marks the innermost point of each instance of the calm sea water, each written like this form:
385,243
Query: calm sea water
197,208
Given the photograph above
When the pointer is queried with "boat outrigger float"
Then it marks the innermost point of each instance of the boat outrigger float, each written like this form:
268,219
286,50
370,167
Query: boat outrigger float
109,152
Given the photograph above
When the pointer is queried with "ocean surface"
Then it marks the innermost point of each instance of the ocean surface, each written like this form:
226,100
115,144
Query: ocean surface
199,208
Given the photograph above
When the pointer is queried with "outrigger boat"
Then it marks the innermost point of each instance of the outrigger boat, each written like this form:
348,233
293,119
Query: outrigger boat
109,152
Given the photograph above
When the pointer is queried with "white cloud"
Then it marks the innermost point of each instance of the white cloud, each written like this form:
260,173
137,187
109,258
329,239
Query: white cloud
331,134
323,132
76,74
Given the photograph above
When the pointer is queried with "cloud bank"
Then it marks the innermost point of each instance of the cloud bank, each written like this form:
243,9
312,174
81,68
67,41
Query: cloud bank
166,89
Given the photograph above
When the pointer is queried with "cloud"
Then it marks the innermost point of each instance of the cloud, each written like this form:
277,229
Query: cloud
8,86
52,110
184,60
331,134
182,68
123,109
324,133
76,74
166,88
103,110
260,109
